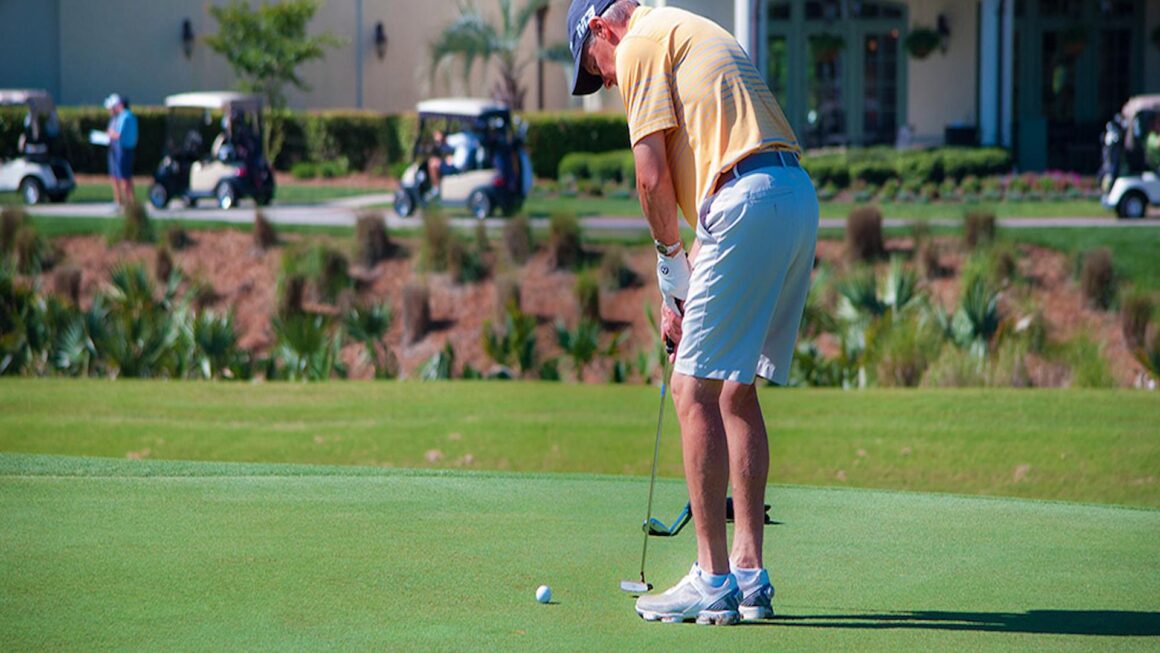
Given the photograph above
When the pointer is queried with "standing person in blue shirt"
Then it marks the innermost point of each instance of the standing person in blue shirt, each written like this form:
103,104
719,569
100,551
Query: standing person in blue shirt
122,147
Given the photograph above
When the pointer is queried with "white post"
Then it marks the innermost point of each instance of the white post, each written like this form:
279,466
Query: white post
989,74
742,27
1008,60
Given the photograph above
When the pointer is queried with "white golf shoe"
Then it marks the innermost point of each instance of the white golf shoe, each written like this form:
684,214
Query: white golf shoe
757,597
693,598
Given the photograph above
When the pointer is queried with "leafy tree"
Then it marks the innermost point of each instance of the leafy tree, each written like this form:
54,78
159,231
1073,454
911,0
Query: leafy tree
266,47
472,37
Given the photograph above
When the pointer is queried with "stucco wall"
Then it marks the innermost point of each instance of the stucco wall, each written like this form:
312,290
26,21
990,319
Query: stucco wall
83,49
942,88
29,47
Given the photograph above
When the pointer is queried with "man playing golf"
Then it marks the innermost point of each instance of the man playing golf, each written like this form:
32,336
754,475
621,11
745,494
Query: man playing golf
708,137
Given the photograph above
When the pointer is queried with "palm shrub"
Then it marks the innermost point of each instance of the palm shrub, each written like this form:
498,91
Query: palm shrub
580,345
900,288
507,294
977,319
75,350
368,326
564,250
441,366
306,348
517,239
325,270
588,295
371,242
215,345
1149,355
416,311
978,228
141,329
864,234
1098,278
512,343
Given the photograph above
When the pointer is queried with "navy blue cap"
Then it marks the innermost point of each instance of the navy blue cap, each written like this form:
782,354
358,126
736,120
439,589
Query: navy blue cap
579,15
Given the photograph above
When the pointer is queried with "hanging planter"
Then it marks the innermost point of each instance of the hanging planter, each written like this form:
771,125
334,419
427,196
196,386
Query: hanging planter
922,41
1073,40
826,47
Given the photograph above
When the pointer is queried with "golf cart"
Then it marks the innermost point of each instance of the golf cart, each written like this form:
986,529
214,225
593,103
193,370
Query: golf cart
32,168
205,158
1130,164
479,154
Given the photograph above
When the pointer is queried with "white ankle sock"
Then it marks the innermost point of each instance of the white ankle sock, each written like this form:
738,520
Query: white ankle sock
714,580
746,576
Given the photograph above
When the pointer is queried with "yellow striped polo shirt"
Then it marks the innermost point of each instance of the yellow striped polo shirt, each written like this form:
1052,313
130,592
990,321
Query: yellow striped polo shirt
685,75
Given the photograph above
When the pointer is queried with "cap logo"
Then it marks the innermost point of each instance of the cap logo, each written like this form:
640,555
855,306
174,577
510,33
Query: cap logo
582,24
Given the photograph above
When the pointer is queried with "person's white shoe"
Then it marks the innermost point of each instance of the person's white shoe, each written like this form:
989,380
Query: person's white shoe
693,598
756,597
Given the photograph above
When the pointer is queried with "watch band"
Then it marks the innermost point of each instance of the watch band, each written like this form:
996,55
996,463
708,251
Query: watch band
667,250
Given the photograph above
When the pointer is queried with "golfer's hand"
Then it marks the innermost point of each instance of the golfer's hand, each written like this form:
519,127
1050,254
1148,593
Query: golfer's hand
671,328
673,275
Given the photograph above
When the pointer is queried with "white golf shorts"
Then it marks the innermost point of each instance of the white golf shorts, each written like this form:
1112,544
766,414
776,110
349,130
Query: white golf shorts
751,277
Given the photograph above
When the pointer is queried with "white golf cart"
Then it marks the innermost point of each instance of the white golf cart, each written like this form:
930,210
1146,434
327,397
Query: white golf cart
483,163
1128,179
213,158
32,168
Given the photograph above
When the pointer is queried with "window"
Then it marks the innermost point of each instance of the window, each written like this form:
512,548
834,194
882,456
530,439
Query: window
1115,69
880,87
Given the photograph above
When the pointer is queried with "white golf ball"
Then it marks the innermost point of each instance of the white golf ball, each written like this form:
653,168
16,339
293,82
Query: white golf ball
543,594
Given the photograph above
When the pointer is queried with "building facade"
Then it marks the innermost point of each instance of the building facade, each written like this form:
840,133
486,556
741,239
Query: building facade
1038,76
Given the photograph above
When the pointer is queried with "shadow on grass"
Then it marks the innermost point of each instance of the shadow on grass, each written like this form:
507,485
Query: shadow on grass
1112,623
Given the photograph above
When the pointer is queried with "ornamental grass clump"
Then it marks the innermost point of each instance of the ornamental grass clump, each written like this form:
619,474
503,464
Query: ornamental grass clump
615,274
564,250
864,234
265,236
136,227
588,295
978,228
1136,311
437,237
1098,278
517,239
371,243
416,311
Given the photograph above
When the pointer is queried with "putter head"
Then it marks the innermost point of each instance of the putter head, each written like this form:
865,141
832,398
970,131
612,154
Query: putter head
657,528
635,587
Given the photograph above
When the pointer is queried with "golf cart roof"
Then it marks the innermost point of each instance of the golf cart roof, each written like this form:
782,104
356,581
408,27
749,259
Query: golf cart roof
1140,103
214,100
36,99
461,107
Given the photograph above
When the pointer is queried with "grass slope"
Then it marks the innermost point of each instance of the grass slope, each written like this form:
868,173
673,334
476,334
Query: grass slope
1078,445
100,555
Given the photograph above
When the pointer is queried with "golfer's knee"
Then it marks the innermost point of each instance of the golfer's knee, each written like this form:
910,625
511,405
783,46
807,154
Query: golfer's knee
692,395
738,399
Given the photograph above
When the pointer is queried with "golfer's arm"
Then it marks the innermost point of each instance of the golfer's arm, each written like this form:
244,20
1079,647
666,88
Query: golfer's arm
654,184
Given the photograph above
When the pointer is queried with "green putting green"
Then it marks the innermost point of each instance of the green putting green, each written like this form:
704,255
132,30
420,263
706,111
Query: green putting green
111,554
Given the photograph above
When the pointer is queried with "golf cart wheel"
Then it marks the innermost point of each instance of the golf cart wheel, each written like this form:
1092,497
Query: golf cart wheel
404,203
479,204
227,197
1132,205
158,196
32,190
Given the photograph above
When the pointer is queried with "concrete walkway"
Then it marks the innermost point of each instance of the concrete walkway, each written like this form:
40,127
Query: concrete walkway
343,212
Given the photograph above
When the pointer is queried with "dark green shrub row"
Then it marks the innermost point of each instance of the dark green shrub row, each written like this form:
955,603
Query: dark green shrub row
552,135
877,165
616,166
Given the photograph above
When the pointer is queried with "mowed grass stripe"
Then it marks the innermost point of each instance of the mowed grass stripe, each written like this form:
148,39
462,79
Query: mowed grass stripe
1093,446
450,561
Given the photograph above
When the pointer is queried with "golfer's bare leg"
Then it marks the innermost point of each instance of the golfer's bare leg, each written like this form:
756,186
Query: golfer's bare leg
706,457
748,470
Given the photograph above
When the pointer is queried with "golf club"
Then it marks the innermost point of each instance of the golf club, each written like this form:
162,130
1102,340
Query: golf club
642,586
657,528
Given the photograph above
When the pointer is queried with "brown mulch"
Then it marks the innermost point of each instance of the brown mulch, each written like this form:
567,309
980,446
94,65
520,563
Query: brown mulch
244,279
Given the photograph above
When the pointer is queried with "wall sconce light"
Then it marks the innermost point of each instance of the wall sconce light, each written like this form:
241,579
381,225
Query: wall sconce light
944,30
187,38
380,40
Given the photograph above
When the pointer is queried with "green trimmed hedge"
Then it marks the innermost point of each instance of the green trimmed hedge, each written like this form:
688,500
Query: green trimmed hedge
553,135
616,166
876,165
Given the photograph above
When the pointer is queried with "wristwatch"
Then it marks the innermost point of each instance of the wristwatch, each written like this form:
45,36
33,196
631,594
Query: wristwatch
667,250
